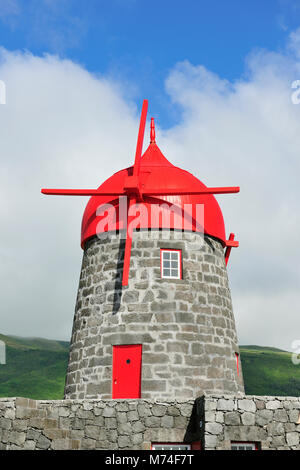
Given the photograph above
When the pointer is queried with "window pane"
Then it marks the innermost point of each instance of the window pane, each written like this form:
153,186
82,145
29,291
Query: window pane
170,264
243,446
171,446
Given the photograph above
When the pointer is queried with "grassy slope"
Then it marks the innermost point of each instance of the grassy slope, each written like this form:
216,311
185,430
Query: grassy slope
269,371
36,368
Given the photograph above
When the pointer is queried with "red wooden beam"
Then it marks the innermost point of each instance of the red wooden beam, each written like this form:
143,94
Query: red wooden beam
231,243
128,245
133,186
140,140
132,183
79,192
178,192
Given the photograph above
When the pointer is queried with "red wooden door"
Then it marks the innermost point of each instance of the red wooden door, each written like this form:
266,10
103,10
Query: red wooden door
127,366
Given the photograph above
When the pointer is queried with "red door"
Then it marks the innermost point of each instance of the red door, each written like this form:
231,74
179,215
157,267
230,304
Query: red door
127,366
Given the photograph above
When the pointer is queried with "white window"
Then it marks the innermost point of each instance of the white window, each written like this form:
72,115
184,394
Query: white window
243,446
170,264
171,446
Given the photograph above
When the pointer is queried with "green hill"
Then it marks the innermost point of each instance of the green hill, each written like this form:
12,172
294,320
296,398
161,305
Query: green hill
269,371
36,368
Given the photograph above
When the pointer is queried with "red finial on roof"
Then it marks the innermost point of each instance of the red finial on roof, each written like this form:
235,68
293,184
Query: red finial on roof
152,132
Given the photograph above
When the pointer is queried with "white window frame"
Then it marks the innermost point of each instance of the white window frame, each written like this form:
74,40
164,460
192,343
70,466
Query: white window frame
179,261
242,445
170,446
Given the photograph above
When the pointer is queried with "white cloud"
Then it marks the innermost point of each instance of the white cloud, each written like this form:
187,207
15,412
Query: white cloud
64,127
247,133
60,127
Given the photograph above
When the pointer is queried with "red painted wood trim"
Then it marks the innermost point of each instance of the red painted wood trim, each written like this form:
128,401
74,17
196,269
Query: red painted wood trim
127,371
196,445
231,243
180,262
78,192
128,245
140,140
134,185
237,356
136,171
178,191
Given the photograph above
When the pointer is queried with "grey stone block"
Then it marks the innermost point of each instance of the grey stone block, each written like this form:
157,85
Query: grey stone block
132,416
280,415
211,441
143,410
247,405
124,441
43,443
225,405
232,418
292,438
167,421
214,428
109,412
17,438
273,405
263,417
125,428
159,410
248,419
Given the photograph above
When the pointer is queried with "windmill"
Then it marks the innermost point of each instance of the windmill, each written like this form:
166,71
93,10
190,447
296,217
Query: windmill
136,191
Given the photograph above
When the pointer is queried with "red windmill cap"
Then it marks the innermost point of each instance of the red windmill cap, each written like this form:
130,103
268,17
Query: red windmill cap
103,213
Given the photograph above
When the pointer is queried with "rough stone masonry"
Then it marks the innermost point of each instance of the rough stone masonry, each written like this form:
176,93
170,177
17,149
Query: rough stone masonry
92,424
216,421
186,326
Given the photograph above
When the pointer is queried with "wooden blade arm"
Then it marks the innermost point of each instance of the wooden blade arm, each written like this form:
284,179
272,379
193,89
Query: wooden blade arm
230,243
179,192
140,140
128,244
79,192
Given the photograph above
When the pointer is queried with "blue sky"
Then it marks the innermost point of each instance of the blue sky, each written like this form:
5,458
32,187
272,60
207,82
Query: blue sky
138,42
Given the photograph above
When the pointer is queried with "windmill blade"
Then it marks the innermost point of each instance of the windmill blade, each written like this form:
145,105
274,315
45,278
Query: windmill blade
79,192
140,140
128,245
180,192
134,182
230,243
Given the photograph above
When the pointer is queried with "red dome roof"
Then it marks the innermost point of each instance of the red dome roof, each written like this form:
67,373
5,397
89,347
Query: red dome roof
156,172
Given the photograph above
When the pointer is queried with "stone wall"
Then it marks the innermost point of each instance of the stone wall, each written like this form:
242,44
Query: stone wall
214,421
186,327
93,424
271,422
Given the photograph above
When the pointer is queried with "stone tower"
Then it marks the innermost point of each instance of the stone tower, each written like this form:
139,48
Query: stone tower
167,331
